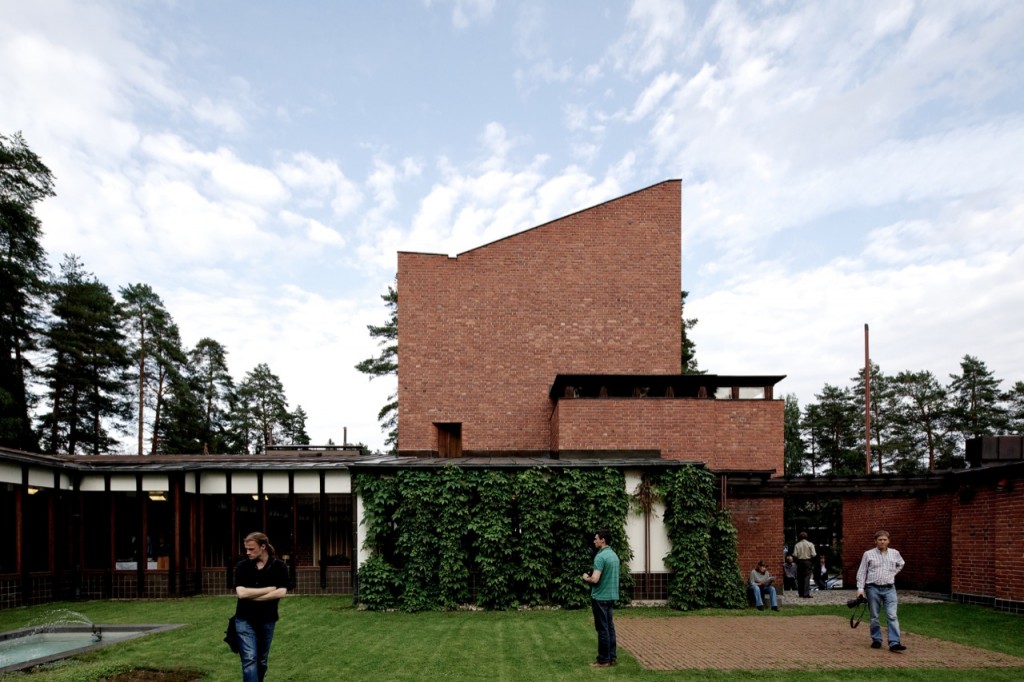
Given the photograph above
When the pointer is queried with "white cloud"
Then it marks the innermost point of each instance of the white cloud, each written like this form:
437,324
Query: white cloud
220,114
467,12
652,95
321,180
842,164
653,31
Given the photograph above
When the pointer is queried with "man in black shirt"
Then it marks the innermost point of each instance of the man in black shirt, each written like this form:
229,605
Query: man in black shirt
261,581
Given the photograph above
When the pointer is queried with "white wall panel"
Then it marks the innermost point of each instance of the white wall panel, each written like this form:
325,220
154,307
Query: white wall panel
213,482
10,473
307,483
244,483
338,482
275,483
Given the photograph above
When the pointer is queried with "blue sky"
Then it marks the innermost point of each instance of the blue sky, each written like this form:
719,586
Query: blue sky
259,164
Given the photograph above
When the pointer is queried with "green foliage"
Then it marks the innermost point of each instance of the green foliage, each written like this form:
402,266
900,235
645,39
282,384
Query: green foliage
688,355
793,461
259,411
386,364
379,584
519,537
416,517
584,501
455,494
85,372
726,588
494,540
703,558
533,499
24,181
524,538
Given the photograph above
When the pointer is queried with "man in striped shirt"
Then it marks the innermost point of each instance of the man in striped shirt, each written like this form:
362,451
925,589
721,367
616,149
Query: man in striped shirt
876,580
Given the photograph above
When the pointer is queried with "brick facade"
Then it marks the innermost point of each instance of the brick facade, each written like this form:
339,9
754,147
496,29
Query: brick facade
759,527
966,543
482,336
987,552
730,434
918,527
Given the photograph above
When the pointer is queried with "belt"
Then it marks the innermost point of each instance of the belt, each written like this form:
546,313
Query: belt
879,585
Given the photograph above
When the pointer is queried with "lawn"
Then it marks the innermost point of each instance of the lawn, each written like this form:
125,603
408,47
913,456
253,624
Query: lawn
325,638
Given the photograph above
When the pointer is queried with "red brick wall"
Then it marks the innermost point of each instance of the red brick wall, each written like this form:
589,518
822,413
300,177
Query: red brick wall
988,537
726,434
482,336
759,526
919,528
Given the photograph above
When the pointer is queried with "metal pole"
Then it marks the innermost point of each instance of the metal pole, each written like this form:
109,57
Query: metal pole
867,407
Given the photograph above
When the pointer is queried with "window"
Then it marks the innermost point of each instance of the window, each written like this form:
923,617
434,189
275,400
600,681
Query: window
8,533
96,530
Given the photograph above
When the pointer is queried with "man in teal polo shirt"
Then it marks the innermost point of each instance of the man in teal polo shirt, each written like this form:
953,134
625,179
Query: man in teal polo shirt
604,579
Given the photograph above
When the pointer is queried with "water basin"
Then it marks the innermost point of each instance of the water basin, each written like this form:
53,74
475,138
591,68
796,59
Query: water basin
33,646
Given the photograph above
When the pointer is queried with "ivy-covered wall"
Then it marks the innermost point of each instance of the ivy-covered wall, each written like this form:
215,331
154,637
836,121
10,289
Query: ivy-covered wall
442,538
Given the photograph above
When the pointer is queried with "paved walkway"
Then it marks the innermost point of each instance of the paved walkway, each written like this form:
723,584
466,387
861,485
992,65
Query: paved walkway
769,642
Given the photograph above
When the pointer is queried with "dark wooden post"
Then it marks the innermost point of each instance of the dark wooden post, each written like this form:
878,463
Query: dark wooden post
323,529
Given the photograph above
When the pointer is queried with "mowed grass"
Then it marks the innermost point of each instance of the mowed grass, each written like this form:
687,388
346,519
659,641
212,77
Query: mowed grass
325,638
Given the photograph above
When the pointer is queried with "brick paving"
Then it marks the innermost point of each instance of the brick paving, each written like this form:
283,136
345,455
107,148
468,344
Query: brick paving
770,642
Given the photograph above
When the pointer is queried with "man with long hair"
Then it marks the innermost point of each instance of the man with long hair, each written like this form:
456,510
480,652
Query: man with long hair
261,580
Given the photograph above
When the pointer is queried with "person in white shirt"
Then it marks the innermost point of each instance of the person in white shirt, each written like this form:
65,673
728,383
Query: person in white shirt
876,579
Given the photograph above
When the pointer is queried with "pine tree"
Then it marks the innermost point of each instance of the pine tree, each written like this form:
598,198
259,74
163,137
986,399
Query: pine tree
884,405
295,432
260,411
156,350
922,423
24,181
688,347
85,373
793,462
209,369
832,424
1015,405
975,400
386,364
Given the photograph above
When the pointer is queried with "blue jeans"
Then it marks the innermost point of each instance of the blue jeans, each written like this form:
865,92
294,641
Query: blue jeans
254,648
877,597
605,626
770,590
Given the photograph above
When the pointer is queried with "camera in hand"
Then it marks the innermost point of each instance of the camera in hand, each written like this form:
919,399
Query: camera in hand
854,603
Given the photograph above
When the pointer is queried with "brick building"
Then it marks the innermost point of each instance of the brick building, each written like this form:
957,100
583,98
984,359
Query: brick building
558,346
563,342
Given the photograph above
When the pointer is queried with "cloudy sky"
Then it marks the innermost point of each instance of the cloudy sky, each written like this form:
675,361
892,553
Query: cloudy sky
259,164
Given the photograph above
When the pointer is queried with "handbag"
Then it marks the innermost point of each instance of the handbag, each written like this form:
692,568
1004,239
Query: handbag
231,635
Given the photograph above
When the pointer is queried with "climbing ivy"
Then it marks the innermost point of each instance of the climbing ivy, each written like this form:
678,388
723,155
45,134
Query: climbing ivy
703,558
532,497
445,537
726,587
455,490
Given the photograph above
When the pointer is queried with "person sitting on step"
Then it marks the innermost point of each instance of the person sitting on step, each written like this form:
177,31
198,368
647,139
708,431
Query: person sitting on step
761,584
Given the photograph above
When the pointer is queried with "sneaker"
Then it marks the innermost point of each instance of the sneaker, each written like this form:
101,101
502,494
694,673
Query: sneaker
897,647
775,608
598,664
876,644
760,608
